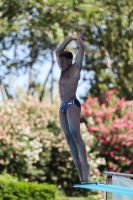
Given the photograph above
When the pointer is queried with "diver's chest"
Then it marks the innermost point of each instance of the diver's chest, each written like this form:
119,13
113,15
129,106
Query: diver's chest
66,77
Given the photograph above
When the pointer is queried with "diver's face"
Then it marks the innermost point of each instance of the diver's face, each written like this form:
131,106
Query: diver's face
64,63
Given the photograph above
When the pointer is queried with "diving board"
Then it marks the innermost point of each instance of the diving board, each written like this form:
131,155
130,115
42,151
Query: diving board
106,188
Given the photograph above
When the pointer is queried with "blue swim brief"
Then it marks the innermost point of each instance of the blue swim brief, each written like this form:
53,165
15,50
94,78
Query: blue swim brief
65,105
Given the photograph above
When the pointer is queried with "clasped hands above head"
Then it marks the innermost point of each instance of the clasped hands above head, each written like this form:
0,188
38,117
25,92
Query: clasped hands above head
75,37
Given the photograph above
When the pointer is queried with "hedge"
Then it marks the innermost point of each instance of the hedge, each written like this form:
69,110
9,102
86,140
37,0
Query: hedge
15,190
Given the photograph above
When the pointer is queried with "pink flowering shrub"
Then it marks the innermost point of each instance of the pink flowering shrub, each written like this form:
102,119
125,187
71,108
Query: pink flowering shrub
110,121
25,137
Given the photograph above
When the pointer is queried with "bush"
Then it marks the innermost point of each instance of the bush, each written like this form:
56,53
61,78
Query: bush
34,148
110,121
15,190
29,130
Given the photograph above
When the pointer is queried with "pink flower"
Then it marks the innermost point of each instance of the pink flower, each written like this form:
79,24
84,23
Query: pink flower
107,139
107,114
103,129
87,113
116,147
98,120
128,144
128,103
111,153
98,113
108,98
110,164
92,128
122,136
86,110
110,92
123,158
114,139
116,158
114,168
129,162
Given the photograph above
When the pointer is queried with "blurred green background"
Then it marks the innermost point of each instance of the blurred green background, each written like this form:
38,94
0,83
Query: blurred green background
32,145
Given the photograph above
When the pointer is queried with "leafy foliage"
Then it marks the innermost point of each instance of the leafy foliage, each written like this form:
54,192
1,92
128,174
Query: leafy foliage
27,138
32,33
109,52
34,30
111,124
33,147
15,190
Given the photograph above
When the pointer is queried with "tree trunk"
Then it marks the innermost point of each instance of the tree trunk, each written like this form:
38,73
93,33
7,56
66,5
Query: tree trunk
45,82
52,78
3,91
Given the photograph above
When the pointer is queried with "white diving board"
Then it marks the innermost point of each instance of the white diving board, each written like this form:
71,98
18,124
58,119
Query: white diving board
106,188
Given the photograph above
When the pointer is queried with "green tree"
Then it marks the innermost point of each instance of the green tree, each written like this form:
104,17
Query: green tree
9,11
36,29
109,52
32,33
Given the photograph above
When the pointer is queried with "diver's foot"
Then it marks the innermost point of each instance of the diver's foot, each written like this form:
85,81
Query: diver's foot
84,182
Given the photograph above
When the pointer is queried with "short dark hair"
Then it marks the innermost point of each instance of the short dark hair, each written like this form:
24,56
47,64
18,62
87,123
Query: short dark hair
66,54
